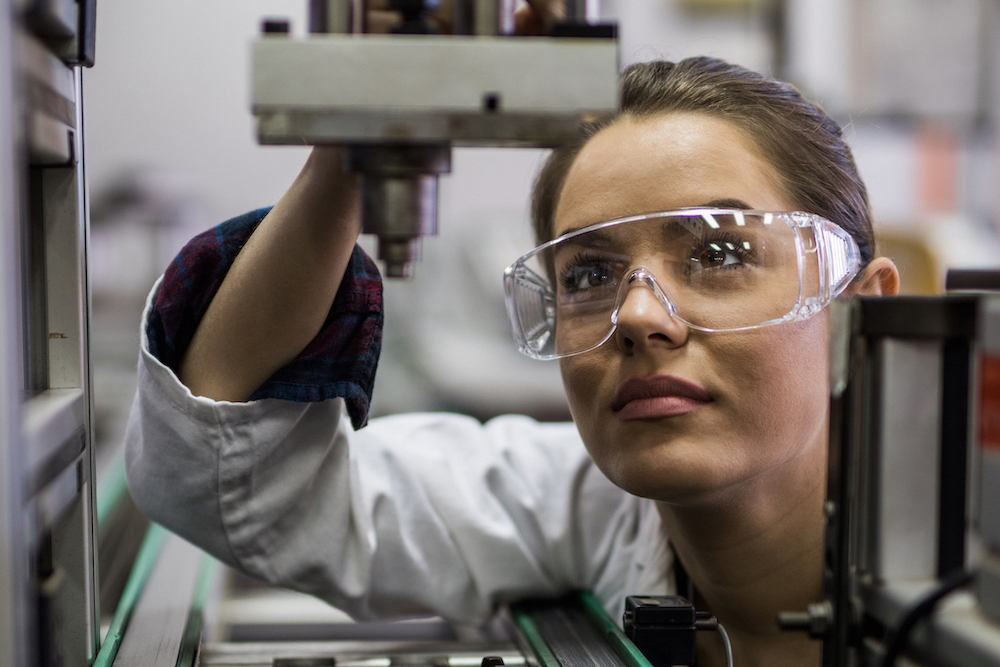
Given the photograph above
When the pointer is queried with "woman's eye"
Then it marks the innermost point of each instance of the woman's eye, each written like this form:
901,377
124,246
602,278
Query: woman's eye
587,276
717,255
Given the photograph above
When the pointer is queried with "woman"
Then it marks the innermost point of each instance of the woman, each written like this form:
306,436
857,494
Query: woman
709,420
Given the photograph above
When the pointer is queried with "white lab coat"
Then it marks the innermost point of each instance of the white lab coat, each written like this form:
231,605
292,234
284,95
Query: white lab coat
413,514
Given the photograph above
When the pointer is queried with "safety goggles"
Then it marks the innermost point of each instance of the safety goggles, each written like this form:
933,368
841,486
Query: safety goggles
712,269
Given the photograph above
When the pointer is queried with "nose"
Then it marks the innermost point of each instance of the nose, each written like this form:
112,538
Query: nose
645,315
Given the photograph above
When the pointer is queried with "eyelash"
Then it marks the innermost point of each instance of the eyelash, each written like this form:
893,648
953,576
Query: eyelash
721,239
583,260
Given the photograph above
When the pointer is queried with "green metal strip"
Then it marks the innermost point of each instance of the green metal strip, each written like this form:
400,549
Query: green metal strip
112,489
622,645
145,561
196,616
534,637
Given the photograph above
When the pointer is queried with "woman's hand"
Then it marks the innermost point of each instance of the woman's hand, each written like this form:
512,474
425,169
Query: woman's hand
534,18
537,17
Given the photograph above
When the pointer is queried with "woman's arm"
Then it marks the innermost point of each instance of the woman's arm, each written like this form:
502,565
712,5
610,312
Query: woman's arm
278,292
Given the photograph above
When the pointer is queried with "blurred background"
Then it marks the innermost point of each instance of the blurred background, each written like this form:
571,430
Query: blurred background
171,152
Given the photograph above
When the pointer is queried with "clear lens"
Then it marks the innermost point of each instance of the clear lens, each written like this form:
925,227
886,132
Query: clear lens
714,270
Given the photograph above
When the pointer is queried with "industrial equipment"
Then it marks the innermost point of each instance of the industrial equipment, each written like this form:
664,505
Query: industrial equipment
48,560
399,102
912,498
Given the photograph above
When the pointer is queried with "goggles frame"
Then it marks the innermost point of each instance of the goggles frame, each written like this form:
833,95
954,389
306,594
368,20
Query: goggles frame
836,252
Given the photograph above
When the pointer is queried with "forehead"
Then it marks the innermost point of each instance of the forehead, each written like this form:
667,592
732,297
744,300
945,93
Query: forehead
665,162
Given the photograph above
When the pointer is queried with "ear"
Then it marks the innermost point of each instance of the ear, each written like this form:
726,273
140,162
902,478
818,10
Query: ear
880,278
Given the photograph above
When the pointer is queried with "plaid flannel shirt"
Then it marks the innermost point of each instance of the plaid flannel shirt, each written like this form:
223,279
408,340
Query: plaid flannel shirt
339,362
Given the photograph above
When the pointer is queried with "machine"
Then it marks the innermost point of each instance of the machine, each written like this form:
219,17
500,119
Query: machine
48,559
912,505
401,101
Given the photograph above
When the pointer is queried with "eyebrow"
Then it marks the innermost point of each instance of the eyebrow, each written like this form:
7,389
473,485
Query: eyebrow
596,239
727,203
715,203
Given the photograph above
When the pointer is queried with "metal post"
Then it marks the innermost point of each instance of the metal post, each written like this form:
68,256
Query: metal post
16,610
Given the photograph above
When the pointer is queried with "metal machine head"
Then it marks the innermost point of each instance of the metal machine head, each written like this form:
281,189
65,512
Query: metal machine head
399,102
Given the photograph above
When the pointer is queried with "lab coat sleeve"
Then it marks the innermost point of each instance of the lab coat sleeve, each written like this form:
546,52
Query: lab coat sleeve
339,362
425,513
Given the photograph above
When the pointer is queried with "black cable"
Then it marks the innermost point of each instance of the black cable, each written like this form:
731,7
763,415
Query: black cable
901,635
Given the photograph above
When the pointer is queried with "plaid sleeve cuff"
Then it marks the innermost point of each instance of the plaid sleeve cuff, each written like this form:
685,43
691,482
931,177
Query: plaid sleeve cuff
339,362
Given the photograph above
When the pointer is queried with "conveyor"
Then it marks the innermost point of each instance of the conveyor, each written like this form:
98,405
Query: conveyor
170,614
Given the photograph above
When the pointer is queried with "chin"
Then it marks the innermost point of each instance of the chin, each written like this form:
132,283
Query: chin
680,473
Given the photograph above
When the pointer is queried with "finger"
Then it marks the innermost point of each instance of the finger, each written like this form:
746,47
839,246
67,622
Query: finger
538,16
549,11
526,22
442,17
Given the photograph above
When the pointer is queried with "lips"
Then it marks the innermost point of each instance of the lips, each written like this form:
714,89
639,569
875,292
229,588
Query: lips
658,396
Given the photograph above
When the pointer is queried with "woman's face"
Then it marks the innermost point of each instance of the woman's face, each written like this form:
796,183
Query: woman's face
672,413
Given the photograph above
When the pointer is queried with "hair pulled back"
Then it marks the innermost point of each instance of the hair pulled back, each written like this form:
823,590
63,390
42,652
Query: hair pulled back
804,145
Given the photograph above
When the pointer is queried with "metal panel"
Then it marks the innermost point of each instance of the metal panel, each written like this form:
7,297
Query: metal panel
16,610
989,427
65,263
54,432
338,72
496,91
50,104
908,460
460,129
47,530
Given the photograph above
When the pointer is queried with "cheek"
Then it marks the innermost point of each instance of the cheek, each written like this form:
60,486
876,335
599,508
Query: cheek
585,379
581,381
782,388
